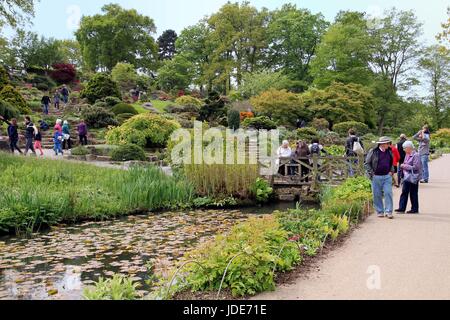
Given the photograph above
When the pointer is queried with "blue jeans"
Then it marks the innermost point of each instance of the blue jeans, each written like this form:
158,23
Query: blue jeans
45,107
426,172
382,187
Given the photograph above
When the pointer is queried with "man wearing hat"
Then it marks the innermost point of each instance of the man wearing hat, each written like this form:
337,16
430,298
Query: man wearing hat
380,168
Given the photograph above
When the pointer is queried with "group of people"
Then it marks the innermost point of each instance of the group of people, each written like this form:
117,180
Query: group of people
33,135
412,170
59,95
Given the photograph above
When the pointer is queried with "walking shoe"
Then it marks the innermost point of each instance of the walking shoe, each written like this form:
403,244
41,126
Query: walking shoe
412,212
380,215
400,211
424,181
390,216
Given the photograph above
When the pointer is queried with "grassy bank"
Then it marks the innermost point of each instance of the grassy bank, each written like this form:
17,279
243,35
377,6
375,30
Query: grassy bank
43,192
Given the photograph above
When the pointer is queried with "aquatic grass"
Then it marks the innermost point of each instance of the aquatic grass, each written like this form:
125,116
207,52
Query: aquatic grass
38,192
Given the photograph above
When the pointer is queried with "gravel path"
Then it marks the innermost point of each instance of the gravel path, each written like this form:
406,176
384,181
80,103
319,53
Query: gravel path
406,258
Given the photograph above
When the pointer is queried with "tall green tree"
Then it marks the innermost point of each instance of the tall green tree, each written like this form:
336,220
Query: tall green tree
166,43
395,45
344,53
444,36
293,36
436,66
175,74
16,12
71,52
117,35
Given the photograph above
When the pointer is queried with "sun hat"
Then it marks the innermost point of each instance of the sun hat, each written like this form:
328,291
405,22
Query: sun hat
409,144
384,140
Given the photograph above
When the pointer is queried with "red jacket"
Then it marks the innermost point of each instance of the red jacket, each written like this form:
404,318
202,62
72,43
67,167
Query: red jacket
396,154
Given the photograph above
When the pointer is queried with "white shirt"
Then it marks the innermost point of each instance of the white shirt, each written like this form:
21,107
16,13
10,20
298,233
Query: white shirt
284,152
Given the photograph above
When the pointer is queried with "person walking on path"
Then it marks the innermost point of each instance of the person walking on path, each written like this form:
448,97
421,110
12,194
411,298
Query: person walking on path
57,100
38,141
67,143
65,95
30,132
82,133
45,103
380,168
353,148
412,172
396,155
402,153
424,139
13,134
57,140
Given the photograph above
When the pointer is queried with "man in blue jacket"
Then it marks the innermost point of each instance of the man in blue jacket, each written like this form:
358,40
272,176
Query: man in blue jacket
13,134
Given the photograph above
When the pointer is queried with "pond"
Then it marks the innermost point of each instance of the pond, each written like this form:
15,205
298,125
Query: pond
58,264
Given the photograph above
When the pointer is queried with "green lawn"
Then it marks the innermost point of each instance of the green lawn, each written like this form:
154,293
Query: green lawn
160,105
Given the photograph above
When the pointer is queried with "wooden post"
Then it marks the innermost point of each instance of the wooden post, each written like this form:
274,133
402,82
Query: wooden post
315,176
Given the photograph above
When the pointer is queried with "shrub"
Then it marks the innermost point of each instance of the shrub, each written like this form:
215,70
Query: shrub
80,151
247,114
4,77
117,288
261,190
259,123
145,130
8,111
128,152
42,87
63,73
343,127
97,117
234,119
121,118
307,133
320,124
182,109
189,101
13,97
442,138
100,86
111,101
124,108
42,81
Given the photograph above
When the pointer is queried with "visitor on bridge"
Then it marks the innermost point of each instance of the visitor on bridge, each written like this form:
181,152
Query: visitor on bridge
30,132
13,134
396,155
400,149
316,148
412,172
82,133
380,168
424,138
45,103
57,100
300,156
353,148
38,141
284,154
67,142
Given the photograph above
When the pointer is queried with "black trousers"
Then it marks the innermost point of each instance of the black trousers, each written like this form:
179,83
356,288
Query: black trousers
83,140
411,191
67,144
13,146
29,145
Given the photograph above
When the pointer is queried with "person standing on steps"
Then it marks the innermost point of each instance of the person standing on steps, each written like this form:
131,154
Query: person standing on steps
402,153
424,139
65,94
13,134
45,103
412,172
82,133
67,142
380,168
57,100
30,132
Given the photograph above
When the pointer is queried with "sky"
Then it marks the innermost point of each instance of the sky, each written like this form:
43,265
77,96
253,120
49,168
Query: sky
59,18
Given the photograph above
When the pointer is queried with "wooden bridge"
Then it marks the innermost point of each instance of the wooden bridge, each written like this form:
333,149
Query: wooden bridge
296,177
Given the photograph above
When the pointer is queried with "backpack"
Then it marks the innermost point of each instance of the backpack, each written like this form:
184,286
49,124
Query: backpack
357,148
315,149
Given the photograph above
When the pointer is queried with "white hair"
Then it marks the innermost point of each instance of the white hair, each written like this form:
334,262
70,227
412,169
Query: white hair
66,122
59,121
409,144
285,142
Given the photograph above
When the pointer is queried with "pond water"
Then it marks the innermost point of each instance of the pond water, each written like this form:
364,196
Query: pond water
59,263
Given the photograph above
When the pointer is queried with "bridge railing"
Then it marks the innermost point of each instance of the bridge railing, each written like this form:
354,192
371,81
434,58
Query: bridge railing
315,170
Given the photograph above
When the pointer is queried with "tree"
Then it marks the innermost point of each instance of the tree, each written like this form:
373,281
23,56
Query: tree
175,74
15,12
100,86
63,73
258,82
344,53
395,45
125,75
444,36
293,36
166,43
117,35
71,52
436,66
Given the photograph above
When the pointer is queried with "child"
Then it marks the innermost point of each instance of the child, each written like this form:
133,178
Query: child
38,142
57,140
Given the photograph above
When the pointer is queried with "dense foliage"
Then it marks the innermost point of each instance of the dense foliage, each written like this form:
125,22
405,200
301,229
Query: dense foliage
8,111
100,86
10,95
124,108
63,73
98,117
343,127
259,123
189,101
128,152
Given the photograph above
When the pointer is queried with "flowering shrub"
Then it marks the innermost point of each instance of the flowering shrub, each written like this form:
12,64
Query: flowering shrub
144,130
63,73
245,115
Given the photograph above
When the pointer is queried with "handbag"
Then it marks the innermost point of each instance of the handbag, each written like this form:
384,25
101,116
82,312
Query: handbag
357,148
413,178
